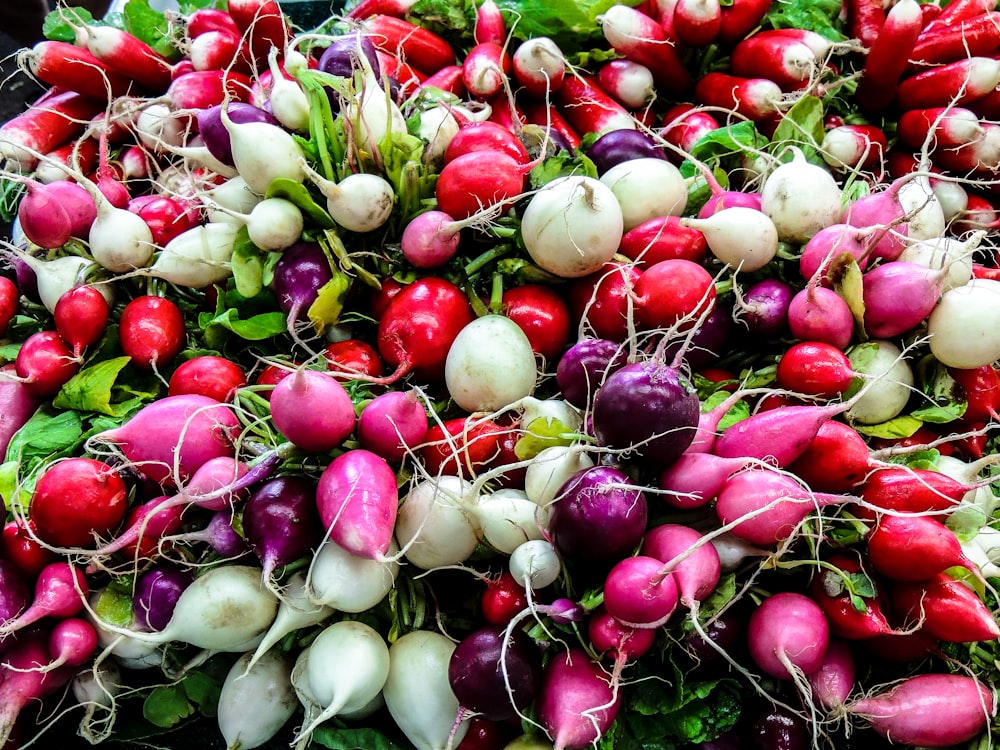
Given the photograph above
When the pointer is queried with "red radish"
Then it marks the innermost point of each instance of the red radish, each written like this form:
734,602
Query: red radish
19,545
52,121
684,125
81,317
640,593
888,55
815,369
601,302
152,331
946,608
837,459
753,98
576,702
636,36
842,588
262,23
696,23
60,591
477,180
146,524
781,58
447,79
128,55
788,635
946,127
543,315
673,293
45,363
539,66
503,599
422,48
914,548
912,490
217,50
166,217
909,712
627,82
94,506
171,438
463,445
663,238
485,69
589,109
981,388
486,136
953,84
312,410
207,375
357,501
419,325
209,19
864,19
618,641
740,17
976,35
958,10
24,681
202,89
74,68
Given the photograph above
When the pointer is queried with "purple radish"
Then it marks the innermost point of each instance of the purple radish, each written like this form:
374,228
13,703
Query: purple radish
299,274
169,439
788,635
312,410
357,500
218,534
763,308
495,673
697,573
14,591
584,366
598,514
281,523
60,591
577,702
156,592
393,423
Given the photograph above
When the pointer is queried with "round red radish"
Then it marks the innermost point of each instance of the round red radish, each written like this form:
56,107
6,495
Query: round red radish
165,216
836,460
81,317
45,363
602,300
503,599
486,136
542,314
352,359
207,375
151,331
19,545
10,298
672,291
478,179
76,500
815,368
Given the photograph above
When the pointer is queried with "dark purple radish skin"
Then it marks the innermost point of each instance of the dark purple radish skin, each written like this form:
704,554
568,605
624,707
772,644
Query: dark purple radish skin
834,680
187,430
219,534
216,136
573,686
764,308
299,274
928,710
156,592
694,479
708,340
788,635
584,366
281,523
697,568
15,593
598,514
341,57
774,727
647,409
640,593
617,146
495,673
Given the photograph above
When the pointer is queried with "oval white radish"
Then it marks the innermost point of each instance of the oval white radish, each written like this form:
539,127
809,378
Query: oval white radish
800,198
296,611
418,694
572,226
256,700
435,525
347,582
551,469
508,519
741,237
361,202
490,365
630,181
263,152
965,326
883,362
198,257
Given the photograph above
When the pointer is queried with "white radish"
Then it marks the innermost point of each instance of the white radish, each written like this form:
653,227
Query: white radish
347,582
289,103
57,276
96,688
741,237
198,257
630,181
550,410
535,564
361,202
888,395
226,202
435,525
256,700
490,365
800,198
263,153
120,240
572,226
551,469
296,611
274,224
965,326
920,204
159,128
436,126
508,519
371,111
948,254
418,694
342,670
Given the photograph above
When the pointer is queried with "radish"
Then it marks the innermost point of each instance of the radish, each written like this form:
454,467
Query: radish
169,439
535,564
509,518
627,82
347,582
756,99
361,202
576,703
263,152
590,109
539,66
156,593
45,363
698,567
419,666
151,330
946,608
887,57
636,36
630,180
972,309
280,522
357,502
640,592
695,478
60,591
295,612
57,276
341,671
435,525
95,689
256,700
898,295
198,257
312,410
914,548
50,215
953,84
788,635
23,680
392,423
495,673
848,147
910,712
551,468
72,643
798,178
890,380
77,501
743,238
490,365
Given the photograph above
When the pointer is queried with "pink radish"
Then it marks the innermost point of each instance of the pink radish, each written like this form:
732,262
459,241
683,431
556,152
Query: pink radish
576,702
788,635
50,215
357,500
697,568
24,679
639,592
312,410
72,642
694,479
834,679
60,591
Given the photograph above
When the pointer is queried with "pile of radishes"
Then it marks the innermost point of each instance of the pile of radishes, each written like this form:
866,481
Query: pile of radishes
421,381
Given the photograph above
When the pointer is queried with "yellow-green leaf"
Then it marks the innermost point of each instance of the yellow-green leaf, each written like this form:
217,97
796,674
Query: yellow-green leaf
91,388
325,310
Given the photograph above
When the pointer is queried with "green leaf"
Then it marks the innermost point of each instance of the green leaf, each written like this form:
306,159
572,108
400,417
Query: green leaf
60,25
46,433
542,433
329,303
91,389
152,27
255,328
349,738
940,413
560,165
815,15
167,705
848,284
298,194
966,521
894,429
731,140
802,126
572,24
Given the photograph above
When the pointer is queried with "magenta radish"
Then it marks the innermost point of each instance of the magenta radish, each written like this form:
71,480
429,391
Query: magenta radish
830,244
256,700
72,643
52,214
697,569
24,679
621,642
539,66
909,207
909,713
357,502
788,635
169,439
430,239
393,423
419,665
817,313
281,523
312,410
490,365
833,681
640,592
45,363
744,238
695,478
60,591
576,702
347,582
898,296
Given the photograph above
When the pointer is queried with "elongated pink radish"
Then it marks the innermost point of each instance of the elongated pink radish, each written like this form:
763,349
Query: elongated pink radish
72,642
576,702
898,296
636,36
357,501
60,591
788,635
51,214
764,507
169,439
694,479
54,120
24,679
909,713
887,57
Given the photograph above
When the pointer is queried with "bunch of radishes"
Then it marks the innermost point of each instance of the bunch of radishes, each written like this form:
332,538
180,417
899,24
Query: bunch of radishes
484,381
